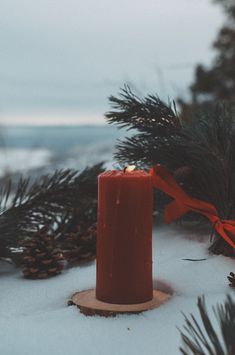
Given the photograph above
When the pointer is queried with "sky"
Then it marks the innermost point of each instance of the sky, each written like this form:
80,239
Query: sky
60,60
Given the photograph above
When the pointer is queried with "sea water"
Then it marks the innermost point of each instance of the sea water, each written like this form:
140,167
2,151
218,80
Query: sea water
25,148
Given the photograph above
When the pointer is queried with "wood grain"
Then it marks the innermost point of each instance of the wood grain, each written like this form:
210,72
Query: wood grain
88,304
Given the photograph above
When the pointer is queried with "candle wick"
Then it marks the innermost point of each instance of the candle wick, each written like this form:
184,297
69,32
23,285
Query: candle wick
129,168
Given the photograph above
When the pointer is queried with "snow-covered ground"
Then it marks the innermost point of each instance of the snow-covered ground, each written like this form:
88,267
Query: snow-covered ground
35,319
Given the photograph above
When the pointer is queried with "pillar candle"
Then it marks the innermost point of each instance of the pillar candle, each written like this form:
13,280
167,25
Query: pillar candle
124,237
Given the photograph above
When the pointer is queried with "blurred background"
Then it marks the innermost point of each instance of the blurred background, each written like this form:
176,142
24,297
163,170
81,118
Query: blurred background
60,60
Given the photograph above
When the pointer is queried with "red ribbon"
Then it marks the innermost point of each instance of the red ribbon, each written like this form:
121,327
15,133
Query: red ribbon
183,203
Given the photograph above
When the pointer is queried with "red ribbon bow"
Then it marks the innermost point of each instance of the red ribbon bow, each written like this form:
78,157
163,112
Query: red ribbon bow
183,203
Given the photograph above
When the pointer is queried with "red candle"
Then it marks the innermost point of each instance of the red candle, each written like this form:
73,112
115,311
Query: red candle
124,238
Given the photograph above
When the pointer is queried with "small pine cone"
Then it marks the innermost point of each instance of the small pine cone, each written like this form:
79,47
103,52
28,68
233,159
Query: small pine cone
80,246
231,279
41,258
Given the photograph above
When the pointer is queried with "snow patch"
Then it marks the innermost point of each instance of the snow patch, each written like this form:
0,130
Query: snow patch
35,319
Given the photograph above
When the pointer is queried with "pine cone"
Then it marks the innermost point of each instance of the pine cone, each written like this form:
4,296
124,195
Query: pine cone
231,279
80,246
41,258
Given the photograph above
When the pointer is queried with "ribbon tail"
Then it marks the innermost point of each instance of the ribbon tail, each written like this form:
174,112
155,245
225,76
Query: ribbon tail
183,203
221,229
175,210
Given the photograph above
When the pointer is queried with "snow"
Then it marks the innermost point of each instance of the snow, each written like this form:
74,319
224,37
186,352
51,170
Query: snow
35,319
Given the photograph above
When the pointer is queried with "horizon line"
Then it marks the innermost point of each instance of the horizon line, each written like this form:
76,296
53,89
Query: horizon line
48,119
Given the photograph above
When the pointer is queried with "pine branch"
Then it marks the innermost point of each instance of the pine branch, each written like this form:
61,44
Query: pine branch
51,201
149,114
202,341
204,146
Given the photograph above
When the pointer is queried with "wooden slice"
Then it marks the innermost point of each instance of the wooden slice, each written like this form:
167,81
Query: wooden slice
89,305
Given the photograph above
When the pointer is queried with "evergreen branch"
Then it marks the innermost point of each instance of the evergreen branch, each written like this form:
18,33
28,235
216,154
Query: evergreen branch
52,200
202,148
149,114
202,341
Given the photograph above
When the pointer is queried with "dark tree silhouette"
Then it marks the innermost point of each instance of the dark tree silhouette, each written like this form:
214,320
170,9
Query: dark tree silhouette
217,82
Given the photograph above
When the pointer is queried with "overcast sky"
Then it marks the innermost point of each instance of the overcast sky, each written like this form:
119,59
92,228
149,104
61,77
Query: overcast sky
65,57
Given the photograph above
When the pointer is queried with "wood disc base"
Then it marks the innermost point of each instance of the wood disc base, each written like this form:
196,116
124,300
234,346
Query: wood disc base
90,306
